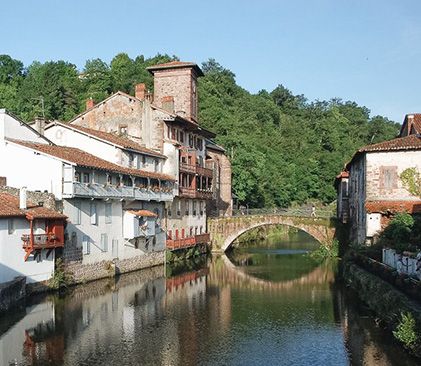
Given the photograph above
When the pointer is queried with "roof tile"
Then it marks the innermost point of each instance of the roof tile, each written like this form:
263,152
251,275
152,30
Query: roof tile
85,159
9,207
412,142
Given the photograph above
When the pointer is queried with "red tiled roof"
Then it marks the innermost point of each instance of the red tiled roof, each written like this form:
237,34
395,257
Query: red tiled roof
393,206
82,158
412,142
114,139
9,207
175,64
414,122
145,213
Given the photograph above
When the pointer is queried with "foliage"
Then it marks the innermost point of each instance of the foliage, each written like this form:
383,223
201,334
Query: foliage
283,148
61,278
399,234
326,251
406,330
411,181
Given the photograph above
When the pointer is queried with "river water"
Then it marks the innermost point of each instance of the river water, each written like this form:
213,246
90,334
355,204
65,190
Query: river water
265,304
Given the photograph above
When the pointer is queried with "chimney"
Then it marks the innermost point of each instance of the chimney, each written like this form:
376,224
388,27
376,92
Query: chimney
40,124
22,198
168,104
90,103
140,91
410,122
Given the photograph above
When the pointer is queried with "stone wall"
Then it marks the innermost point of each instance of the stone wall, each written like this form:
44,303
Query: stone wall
12,293
220,204
93,271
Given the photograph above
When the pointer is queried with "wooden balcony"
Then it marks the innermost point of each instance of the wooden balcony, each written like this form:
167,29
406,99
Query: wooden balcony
203,238
194,169
174,244
38,242
195,193
187,168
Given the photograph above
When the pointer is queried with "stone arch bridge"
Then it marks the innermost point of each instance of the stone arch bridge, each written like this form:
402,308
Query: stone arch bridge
224,230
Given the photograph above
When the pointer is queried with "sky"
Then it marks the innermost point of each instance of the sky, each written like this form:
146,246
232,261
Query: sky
365,51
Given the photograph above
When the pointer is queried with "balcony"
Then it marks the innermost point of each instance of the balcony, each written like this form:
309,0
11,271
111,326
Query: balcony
194,169
203,238
195,193
174,244
95,190
35,242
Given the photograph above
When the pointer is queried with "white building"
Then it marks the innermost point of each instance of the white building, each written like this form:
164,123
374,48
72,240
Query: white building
96,194
29,236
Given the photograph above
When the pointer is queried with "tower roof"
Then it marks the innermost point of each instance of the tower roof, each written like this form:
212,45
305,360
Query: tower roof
176,65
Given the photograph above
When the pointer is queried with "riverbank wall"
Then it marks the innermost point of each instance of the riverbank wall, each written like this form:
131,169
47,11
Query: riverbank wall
386,301
12,293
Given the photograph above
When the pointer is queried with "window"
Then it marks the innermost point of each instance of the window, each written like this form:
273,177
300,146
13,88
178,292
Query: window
77,220
77,177
143,160
131,159
178,208
11,226
109,179
187,208
86,244
201,208
156,165
108,213
122,129
93,214
194,208
115,248
181,136
388,177
169,211
85,177
104,242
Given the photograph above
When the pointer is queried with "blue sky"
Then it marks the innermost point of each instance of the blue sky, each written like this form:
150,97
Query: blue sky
366,51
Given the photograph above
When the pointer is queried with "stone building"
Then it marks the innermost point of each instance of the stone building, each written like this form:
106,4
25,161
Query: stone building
167,123
375,190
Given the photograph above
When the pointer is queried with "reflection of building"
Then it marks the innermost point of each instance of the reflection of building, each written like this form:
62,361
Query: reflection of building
29,236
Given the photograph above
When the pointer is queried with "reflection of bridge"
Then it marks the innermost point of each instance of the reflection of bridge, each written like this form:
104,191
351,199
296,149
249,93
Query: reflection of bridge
224,230
237,278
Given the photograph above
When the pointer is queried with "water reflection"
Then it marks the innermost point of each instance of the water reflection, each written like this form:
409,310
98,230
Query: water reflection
221,311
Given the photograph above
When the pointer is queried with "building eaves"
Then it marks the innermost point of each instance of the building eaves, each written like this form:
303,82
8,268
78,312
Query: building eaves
108,138
81,158
9,207
175,65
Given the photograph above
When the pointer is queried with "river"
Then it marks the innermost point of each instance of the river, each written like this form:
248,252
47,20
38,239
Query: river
263,304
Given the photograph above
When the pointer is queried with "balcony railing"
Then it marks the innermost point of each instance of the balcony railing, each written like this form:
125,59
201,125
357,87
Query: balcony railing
203,238
195,193
173,244
204,171
76,189
188,168
40,241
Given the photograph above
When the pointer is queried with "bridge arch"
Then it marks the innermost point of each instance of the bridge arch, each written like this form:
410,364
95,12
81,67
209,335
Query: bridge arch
224,230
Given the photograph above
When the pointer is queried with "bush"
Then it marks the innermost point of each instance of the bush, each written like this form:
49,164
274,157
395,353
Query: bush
61,278
406,332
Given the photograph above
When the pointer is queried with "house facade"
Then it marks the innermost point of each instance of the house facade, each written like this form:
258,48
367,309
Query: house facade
95,195
29,237
375,190
167,124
